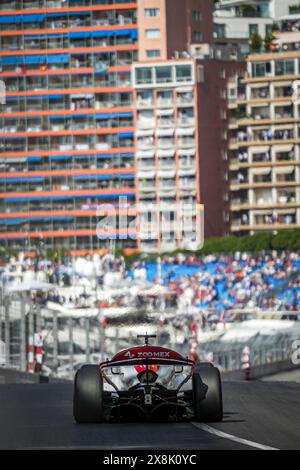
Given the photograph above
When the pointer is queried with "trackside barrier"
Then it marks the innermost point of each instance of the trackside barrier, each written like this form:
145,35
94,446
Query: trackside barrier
13,376
31,355
246,362
257,372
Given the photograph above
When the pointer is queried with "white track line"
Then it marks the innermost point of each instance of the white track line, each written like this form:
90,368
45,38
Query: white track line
224,435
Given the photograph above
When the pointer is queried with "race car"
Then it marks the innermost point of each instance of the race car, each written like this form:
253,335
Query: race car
149,382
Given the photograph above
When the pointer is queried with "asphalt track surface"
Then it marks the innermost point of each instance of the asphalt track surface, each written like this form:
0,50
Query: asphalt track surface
40,417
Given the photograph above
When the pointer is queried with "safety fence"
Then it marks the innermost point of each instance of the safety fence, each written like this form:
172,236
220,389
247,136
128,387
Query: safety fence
55,341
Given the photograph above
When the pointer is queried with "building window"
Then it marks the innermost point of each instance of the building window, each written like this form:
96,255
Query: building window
223,73
225,155
144,75
269,29
184,73
152,33
197,15
223,114
152,12
197,36
220,31
200,70
284,67
163,74
232,93
223,94
153,53
261,69
253,29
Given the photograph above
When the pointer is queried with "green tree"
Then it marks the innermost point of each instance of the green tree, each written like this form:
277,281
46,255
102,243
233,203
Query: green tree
256,42
268,41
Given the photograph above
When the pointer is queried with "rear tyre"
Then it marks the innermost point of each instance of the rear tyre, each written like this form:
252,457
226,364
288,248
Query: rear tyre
88,395
207,395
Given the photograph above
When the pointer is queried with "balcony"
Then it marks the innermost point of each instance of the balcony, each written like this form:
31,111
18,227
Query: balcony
263,135
236,203
260,113
263,198
145,143
146,123
185,121
260,93
186,143
261,157
185,131
262,178
285,174
187,163
167,184
165,123
187,184
165,132
146,103
147,185
167,164
185,99
284,112
275,219
285,156
165,102
283,92
166,143
146,165
286,197
167,173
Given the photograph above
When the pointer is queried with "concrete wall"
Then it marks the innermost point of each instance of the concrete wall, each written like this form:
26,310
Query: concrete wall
12,376
257,372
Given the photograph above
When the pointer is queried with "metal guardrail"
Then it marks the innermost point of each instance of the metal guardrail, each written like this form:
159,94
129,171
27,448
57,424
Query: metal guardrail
233,360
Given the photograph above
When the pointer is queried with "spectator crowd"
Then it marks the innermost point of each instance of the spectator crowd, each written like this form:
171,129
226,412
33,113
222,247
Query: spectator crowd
218,284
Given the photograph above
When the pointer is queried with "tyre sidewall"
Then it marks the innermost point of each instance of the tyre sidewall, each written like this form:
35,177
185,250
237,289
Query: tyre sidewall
88,395
207,394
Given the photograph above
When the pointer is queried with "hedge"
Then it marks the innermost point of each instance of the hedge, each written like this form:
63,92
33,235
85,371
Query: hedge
285,240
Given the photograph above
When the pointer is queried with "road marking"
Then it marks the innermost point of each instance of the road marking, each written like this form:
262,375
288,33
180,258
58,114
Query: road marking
231,437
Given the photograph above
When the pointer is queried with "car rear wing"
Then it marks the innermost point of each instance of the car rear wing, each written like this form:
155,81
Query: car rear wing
148,361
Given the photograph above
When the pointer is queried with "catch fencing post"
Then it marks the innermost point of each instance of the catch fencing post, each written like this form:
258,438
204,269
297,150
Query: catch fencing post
7,330
71,345
30,341
55,340
87,336
38,319
23,358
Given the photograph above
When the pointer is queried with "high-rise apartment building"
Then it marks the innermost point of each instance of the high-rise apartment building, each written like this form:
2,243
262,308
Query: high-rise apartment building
167,155
265,133
169,27
235,21
215,77
108,99
67,128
